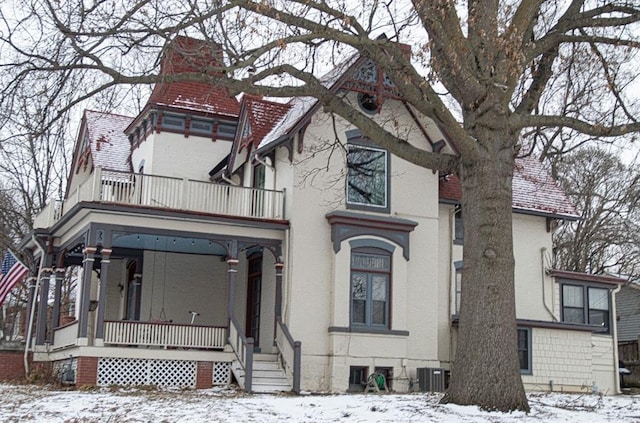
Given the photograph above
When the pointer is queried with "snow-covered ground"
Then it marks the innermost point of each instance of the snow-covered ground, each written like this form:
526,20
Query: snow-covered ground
30,403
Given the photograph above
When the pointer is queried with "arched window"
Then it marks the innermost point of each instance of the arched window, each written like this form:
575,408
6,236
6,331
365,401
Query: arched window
370,287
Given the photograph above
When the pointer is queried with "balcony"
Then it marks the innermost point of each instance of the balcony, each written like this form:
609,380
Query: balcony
161,192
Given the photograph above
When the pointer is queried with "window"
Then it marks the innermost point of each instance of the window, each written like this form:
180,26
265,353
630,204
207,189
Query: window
458,287
368,102
459,226
370,276
367,177
586,304
357,377
524,350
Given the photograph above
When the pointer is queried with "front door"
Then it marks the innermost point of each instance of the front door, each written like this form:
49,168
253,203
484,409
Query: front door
254,293
132,307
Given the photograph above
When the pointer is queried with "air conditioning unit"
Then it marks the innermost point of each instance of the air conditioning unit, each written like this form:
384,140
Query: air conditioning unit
431,380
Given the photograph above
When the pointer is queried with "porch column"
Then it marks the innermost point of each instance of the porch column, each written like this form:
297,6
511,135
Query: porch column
28,324
102,296
57,296
43,296
233,275
85,292
278,310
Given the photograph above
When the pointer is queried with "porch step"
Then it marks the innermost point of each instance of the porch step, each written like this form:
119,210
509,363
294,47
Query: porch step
268,376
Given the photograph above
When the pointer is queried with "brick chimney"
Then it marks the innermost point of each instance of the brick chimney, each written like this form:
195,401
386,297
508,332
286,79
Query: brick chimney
190,55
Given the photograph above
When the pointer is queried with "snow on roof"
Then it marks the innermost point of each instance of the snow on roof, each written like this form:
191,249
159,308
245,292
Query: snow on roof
534,190
110,147
301,105
263,115
195,96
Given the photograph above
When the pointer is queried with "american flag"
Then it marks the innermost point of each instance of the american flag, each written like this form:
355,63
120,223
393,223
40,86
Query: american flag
12,272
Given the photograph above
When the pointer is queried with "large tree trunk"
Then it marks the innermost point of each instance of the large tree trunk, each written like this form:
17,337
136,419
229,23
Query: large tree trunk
486,369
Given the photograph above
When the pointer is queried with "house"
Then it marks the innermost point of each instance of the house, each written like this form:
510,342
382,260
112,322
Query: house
628,324
217,238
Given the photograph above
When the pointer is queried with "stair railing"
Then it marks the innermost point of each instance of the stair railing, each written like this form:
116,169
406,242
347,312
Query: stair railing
290,351
243,349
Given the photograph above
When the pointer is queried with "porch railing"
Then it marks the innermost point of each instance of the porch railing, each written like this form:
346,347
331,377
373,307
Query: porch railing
65,336
168,193
290,352
243,349
163,335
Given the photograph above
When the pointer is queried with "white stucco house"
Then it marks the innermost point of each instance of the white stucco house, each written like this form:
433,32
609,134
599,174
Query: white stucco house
220,239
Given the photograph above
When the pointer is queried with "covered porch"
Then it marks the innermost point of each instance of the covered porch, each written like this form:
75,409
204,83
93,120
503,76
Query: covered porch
164,295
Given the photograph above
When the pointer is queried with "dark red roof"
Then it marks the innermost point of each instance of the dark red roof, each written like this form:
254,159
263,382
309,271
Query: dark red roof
195,96
263,115
189,55
534,190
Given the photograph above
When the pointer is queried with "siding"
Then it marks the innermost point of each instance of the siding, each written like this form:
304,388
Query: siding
628,311
571,361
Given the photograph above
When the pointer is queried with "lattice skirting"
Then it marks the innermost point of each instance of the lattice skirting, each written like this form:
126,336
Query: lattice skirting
137,371
221,373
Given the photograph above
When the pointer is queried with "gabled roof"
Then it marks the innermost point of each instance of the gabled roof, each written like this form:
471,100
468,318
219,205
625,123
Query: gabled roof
303,106
257,118
262,116
109,146
534,191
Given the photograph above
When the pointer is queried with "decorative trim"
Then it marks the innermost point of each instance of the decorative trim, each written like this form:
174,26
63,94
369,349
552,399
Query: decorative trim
355,329
541,324
585,277
345,225
358,243
557,325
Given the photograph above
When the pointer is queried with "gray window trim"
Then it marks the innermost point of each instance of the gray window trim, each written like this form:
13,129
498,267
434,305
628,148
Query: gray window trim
366,249
346,225
366,329
375,243
585,303
528,371
353,140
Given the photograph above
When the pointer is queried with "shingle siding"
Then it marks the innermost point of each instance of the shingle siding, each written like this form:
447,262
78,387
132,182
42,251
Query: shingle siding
628,310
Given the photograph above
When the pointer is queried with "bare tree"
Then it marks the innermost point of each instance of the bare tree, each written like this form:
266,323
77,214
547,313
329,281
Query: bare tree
496,62
606,192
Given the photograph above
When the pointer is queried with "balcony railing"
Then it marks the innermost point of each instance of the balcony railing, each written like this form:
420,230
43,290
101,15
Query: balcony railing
168,193
167,335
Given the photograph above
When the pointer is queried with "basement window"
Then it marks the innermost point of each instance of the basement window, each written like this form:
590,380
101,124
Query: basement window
357,378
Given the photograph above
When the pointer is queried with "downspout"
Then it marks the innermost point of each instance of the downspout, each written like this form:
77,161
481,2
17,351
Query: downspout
542,278
452,281
228,180
33,306
614,331
260,160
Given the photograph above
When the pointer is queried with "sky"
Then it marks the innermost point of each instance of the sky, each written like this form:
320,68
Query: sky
30,403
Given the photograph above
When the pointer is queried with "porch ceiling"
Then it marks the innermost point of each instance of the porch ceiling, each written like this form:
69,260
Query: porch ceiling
168,243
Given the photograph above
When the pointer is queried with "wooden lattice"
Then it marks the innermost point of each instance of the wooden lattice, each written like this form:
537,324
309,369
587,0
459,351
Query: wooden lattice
221,373
138,371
